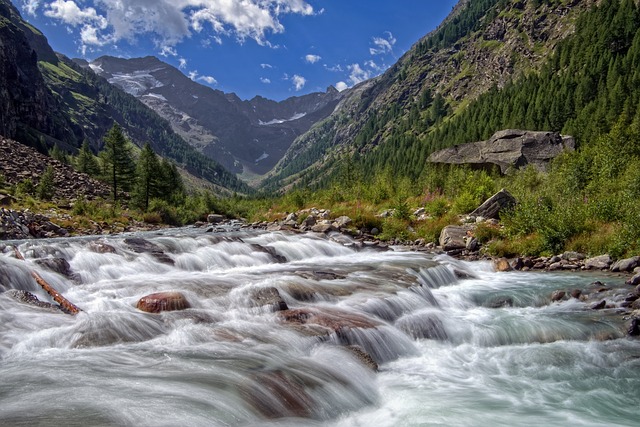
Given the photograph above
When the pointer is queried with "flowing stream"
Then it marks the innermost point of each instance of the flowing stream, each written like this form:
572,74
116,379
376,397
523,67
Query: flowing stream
455,343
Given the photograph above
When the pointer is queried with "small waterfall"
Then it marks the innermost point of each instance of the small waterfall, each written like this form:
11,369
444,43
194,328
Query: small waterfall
290,328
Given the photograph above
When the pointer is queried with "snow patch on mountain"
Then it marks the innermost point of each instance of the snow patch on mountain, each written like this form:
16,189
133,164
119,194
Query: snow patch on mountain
278,121
135,83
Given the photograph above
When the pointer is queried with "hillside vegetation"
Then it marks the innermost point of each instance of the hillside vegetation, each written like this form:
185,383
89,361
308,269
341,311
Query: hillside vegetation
587,87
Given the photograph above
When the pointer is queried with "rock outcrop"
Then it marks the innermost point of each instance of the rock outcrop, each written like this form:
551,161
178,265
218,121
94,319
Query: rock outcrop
508,149
492,207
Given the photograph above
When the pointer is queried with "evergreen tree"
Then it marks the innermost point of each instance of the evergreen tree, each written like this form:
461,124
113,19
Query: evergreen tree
148,178
57,154
119,167
86,162
171,185
46,187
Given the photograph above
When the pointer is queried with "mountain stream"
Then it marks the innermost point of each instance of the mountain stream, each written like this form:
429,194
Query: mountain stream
302,330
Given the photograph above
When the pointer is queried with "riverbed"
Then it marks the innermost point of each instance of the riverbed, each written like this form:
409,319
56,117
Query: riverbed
454,342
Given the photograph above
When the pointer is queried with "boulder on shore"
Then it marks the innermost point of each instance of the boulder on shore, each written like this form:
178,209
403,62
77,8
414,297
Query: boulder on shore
454,237
492,207
506,149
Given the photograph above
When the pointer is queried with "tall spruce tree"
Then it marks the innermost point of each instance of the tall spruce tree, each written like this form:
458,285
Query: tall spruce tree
119,167
148,178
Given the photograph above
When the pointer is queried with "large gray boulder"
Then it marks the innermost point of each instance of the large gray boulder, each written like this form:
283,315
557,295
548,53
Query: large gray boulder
492,207
454,237
506,149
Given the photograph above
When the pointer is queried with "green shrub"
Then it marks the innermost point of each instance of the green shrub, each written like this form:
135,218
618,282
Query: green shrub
46,186
25,188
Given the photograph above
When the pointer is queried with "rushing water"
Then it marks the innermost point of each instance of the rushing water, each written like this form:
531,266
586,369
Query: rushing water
488,349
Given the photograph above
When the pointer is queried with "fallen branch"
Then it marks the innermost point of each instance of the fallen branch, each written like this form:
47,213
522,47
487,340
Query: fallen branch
66,305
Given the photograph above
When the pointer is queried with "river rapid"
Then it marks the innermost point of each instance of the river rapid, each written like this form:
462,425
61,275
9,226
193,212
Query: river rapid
455,343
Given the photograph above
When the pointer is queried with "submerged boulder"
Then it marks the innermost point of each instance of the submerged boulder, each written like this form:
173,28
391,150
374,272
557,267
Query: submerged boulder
163,301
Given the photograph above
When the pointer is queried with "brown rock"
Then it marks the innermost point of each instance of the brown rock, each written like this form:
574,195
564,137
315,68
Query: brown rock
501,264
557,295
163,301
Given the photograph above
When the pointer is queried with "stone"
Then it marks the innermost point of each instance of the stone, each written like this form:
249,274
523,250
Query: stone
558,295
599,306
601,262
508,149
215,218
495,204
323,228
453,237
57,265
634,327
472,244
342,221
626,265
517,264
375,231
28,298
364,357
419,211
500,302
501,265
292,217
163,301
572,256
309,221
576,293
268,297
634,281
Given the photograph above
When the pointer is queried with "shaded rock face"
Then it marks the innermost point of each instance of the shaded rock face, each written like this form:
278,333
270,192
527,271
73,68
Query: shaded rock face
454,237
508,149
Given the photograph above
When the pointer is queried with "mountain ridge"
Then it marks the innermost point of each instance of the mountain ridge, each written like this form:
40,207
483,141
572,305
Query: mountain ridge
244,135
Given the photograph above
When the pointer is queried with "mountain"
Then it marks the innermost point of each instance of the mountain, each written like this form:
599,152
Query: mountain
48,99
247,137
392,120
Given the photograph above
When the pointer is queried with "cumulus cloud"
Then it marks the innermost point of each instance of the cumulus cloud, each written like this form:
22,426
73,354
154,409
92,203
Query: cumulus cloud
358,74
298,82
182,63
312,59
383,45
265,80
171,21
195,76
341,86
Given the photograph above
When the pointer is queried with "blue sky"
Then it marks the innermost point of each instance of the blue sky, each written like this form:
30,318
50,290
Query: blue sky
271,48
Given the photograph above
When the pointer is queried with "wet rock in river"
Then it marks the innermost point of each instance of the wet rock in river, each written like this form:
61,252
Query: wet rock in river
599,306
139,245
363,356
626,265
57,265
601,262
277,394
633,328
268,297
502,264
163,301
101,248
558,295
634,281
330,320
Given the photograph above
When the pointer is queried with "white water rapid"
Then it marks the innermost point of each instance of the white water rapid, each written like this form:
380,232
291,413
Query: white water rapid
287,329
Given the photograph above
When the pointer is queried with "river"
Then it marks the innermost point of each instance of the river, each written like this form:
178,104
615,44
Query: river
456,343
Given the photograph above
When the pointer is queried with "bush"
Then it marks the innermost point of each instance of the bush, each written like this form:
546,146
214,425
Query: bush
46,186
167,213
25,188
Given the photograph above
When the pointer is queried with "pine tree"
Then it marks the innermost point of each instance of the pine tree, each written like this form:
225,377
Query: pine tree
119,167
86,162
45,187
171,185
148,178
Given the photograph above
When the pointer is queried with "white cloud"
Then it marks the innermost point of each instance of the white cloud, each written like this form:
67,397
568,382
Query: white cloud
182,63
336,68
341,86
208,79
298,82
358,74
312,59
31,6
266,66
171,21
195,76
168,51
383,45
265,80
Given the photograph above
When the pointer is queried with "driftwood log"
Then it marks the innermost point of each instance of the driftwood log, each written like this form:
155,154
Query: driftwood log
66,305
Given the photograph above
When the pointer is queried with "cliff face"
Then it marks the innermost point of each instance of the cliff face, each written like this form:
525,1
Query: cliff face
26,105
